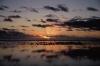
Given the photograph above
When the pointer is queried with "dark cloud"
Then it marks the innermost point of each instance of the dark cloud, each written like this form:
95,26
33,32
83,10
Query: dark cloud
14,16
42,26
24,29
12,26
88,23
8,20
11,34
24,26
92,9
7,29
30,9
42,21
34,10
50,15
28,20
52,20
59,7
85,24
51,8
16,11
69,29
3,7
24,7
61,24
63,8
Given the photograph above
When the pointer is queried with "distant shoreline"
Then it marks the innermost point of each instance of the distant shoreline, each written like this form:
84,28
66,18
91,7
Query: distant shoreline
51,40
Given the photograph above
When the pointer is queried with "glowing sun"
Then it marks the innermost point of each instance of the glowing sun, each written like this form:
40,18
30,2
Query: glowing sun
46,37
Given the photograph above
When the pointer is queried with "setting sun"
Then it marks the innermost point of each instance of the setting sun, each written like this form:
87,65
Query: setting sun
45,37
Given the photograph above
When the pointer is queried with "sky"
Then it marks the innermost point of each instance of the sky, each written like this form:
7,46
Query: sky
39,17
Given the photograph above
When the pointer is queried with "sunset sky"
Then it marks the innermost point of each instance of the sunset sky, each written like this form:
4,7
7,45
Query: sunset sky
40,17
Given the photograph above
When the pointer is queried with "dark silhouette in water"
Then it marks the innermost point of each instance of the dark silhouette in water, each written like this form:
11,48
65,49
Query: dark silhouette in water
7,57
49,58
15,60
90,53
42,50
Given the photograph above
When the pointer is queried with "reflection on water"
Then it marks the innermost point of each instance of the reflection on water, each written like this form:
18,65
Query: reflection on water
30,54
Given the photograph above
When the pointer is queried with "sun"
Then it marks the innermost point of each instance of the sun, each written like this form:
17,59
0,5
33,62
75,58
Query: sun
46,37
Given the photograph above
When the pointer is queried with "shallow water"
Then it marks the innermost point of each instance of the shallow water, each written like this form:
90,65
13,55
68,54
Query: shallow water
31,54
